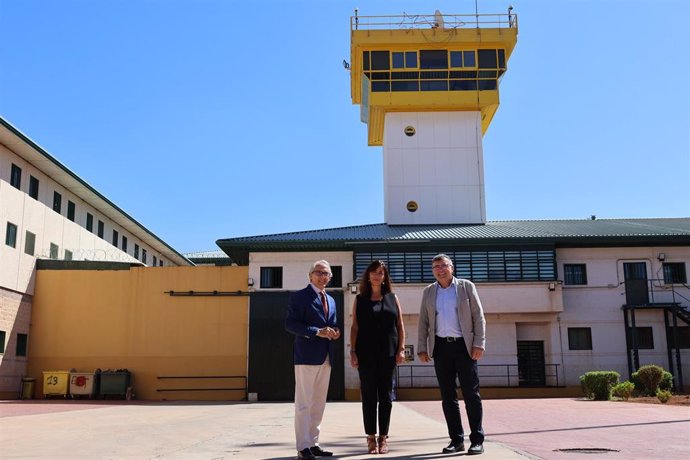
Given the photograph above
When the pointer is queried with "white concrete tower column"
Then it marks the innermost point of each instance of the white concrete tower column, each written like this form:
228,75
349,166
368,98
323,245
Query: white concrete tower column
433,168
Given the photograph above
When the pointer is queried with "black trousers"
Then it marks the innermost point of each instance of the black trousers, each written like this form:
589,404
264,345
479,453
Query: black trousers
452,360
376,383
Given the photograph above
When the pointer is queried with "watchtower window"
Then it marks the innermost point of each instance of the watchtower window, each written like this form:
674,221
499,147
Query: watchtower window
433,59
487,59
380,60
404,60
459,59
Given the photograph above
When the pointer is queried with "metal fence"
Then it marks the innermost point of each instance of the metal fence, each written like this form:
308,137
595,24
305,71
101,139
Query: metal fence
490,375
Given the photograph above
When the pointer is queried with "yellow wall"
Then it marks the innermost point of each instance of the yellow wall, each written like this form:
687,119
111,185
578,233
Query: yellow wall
113,319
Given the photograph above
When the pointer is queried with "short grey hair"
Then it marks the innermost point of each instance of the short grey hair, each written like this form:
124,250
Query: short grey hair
442,257
319,262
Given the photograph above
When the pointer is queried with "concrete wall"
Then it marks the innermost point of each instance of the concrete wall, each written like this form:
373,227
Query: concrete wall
113,319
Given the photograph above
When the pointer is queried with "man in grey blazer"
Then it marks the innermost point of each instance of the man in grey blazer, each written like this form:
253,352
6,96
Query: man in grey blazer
452,331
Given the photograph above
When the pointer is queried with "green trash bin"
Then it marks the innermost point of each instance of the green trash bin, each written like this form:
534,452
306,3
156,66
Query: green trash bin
28,388
114,383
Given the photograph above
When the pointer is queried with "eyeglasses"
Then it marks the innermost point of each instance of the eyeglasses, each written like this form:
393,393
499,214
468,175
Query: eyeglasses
320,273
440,266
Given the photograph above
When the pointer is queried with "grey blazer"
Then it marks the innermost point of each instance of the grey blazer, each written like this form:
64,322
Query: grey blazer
470,314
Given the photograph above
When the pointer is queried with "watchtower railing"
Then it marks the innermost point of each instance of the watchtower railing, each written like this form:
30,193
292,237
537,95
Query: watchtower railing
434,21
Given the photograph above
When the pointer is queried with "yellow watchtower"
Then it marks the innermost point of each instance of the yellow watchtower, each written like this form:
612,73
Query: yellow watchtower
428,89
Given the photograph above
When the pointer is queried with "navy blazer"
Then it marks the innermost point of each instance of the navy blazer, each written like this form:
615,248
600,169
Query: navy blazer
305,316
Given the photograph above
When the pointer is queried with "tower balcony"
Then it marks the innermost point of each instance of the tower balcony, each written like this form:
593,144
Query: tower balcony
424,63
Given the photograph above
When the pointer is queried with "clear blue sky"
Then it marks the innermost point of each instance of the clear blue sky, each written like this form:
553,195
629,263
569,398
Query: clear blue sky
208,119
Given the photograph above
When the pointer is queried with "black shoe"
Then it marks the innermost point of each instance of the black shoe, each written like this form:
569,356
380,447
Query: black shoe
306,454
475,449
454,446
317,451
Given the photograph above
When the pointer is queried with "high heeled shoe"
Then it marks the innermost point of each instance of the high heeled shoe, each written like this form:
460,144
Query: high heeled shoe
383,444
371,444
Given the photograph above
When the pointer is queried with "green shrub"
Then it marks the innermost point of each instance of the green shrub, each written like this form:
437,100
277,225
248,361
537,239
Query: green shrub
666,381
597,384
663,395
623,390
648,379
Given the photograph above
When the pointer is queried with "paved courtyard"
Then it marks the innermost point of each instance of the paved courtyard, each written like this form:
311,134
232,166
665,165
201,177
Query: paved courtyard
516,429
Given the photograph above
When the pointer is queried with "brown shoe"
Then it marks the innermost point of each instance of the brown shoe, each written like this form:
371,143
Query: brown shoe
383,444
371,444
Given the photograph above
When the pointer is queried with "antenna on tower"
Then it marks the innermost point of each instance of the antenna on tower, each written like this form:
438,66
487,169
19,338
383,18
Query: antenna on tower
438,20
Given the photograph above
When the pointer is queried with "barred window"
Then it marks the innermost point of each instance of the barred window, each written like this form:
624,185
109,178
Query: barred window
22,344
271,277
478,266
574,274
644,336
674,272
337,278
580,338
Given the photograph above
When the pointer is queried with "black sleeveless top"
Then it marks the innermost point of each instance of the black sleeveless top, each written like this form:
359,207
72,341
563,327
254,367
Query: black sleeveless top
377,333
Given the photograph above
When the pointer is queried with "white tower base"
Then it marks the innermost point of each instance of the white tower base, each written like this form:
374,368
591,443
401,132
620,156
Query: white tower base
440,168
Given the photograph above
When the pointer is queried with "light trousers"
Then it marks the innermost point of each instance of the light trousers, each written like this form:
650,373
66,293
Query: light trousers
311,391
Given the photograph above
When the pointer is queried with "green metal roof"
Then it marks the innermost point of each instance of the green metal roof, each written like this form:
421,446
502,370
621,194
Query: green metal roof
559,233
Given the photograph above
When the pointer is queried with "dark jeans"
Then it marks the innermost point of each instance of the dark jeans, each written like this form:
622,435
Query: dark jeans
376,383
451,360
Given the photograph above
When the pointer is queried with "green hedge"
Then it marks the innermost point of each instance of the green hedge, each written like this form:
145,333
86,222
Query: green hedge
597,385
623,390
651,378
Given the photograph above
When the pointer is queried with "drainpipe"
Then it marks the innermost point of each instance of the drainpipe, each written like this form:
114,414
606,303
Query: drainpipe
560,340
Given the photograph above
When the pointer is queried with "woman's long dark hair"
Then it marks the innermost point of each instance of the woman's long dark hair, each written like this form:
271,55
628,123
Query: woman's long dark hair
365,285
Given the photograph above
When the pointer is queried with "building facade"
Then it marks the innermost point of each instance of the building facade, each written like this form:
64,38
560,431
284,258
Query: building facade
559,296
48,212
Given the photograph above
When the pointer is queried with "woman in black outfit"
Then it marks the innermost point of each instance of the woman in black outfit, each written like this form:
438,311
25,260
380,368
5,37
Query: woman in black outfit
377,337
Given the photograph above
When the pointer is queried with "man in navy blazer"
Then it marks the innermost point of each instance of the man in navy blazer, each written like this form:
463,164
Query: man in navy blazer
312,318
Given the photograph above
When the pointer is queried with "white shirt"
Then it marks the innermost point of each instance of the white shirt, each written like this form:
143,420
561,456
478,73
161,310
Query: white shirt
447,321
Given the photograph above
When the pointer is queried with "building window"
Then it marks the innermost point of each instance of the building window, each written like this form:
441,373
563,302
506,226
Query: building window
160,263
645,338
404,60
136,251
433,59
71,207
143,255
271,277
89,222
683,337
16,177
674,273
57,202
68,255
11,235
54,250
101,229
29,243
337,278
22,341
116,237
2,342
460,59
580,338
155,261
33,187
124,243
574,274
478,266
